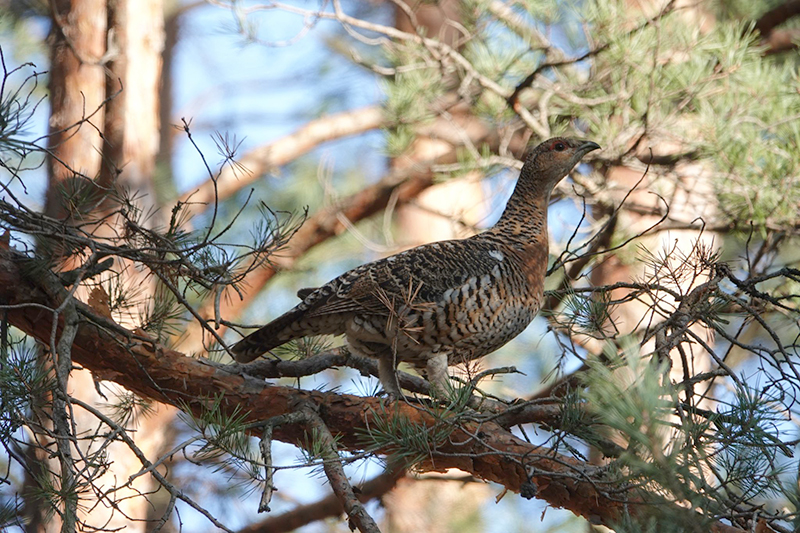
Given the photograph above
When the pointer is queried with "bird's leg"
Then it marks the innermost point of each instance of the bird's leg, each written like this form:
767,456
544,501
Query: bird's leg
436,368
388,376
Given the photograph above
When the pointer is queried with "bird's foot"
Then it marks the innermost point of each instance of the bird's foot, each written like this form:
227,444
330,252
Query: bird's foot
389,397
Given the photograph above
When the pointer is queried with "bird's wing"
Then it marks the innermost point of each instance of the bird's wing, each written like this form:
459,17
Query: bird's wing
415,277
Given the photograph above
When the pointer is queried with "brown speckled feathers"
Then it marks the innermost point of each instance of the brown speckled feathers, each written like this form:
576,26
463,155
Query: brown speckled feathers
440,303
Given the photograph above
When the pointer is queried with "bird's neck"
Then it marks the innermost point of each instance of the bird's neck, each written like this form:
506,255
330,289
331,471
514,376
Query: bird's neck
524,221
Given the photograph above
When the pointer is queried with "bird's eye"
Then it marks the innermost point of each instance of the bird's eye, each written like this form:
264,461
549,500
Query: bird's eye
559,147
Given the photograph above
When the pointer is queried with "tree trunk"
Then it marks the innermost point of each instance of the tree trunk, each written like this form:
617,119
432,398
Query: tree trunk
115,91
76,86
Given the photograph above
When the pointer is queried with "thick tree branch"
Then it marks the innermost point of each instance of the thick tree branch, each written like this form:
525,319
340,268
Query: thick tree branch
777,41
777,16
540,410
479,447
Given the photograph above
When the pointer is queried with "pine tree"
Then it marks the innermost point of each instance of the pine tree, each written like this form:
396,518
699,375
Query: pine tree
669,350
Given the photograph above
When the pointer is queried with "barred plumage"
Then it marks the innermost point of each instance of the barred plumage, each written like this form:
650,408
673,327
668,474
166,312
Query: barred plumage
441,303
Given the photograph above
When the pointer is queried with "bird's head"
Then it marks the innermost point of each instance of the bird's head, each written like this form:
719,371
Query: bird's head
553,159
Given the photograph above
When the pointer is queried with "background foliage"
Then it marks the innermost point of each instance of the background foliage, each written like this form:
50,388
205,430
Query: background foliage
660,384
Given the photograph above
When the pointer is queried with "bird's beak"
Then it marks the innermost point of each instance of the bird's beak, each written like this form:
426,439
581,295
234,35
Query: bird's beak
587,147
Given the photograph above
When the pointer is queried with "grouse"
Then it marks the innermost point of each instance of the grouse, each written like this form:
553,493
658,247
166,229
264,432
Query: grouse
442,303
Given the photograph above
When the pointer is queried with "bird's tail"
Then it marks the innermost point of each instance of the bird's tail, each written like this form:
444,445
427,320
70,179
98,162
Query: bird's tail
277,332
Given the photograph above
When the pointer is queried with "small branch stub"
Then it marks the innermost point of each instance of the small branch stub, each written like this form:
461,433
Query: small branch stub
266,455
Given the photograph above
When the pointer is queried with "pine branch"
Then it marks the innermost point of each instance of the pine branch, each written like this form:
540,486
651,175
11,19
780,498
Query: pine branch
277,368
513,98
151,370
176,493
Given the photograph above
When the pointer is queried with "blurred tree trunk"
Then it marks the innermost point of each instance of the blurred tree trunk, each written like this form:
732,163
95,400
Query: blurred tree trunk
445,211
77,44
165,187
77,89
104,135
689,192
686,187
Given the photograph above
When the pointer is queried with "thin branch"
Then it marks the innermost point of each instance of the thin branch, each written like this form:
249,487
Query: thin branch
327,507
335,472
261,160
175,492
513,98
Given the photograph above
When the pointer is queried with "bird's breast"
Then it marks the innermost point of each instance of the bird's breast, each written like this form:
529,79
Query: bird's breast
484,314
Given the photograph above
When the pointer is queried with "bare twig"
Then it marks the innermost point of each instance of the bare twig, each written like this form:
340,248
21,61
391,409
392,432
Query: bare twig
326,507
261,160
333,470
174,491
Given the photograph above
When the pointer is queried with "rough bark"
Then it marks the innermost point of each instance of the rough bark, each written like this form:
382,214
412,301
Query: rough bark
153,371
